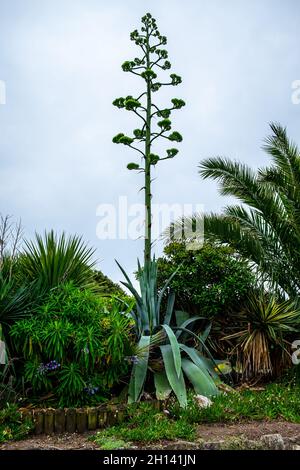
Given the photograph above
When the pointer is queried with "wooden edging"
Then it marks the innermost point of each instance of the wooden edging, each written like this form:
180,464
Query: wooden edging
57,421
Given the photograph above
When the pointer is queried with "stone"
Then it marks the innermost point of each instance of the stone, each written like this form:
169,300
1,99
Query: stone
203,402
273,441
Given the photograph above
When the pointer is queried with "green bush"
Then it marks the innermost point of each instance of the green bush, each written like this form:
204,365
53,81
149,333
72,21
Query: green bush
73,346
209,281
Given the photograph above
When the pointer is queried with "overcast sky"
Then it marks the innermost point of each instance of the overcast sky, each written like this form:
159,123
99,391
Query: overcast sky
60,60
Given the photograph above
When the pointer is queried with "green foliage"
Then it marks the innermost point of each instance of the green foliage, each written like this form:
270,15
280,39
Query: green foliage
74,345
144,424
165,345
276,401
210,281
11,424
153,59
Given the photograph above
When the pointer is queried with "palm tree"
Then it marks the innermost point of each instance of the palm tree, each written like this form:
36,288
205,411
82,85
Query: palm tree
265,226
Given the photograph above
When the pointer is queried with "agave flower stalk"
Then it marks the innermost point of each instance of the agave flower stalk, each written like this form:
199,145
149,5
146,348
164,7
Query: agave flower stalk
155,120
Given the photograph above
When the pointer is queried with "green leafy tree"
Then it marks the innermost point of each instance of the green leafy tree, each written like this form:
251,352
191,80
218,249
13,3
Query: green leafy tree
210,281
155,120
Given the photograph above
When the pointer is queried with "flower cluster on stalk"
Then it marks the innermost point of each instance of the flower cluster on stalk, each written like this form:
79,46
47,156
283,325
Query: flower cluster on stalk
48,367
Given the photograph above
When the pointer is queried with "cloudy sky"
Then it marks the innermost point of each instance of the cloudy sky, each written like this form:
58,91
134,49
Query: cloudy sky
60,61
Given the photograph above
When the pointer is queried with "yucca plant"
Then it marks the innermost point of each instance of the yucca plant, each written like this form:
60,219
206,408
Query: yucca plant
167,346
53,260
261,344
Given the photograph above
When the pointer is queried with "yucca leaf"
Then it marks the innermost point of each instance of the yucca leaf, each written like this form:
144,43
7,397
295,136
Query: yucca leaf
177,383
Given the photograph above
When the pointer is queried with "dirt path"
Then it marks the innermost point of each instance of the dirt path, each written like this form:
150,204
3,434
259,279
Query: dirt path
209,432
251,430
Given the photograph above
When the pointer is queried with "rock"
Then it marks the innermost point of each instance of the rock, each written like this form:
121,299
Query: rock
296,447
203,402
182,445
213,445
273,441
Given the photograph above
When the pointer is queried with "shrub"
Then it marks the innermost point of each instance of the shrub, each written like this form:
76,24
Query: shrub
209,281
258,335
73,346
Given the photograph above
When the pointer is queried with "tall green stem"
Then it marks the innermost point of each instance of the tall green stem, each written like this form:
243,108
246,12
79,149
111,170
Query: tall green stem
148,195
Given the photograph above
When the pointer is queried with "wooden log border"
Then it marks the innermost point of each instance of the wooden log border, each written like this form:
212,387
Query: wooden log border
58,421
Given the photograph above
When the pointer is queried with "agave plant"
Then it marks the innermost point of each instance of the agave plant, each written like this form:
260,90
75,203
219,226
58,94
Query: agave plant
261,343
164,343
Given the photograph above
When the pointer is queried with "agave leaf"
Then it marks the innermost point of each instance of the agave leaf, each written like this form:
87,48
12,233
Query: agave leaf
139,371
169,310
129,284
181,317
201,364
175,348
198,378
210,366
160,297
203,345
177,383
206,332
186,323
162,386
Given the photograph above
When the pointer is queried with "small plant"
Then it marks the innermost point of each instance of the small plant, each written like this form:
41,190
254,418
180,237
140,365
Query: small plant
108,442
12,426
